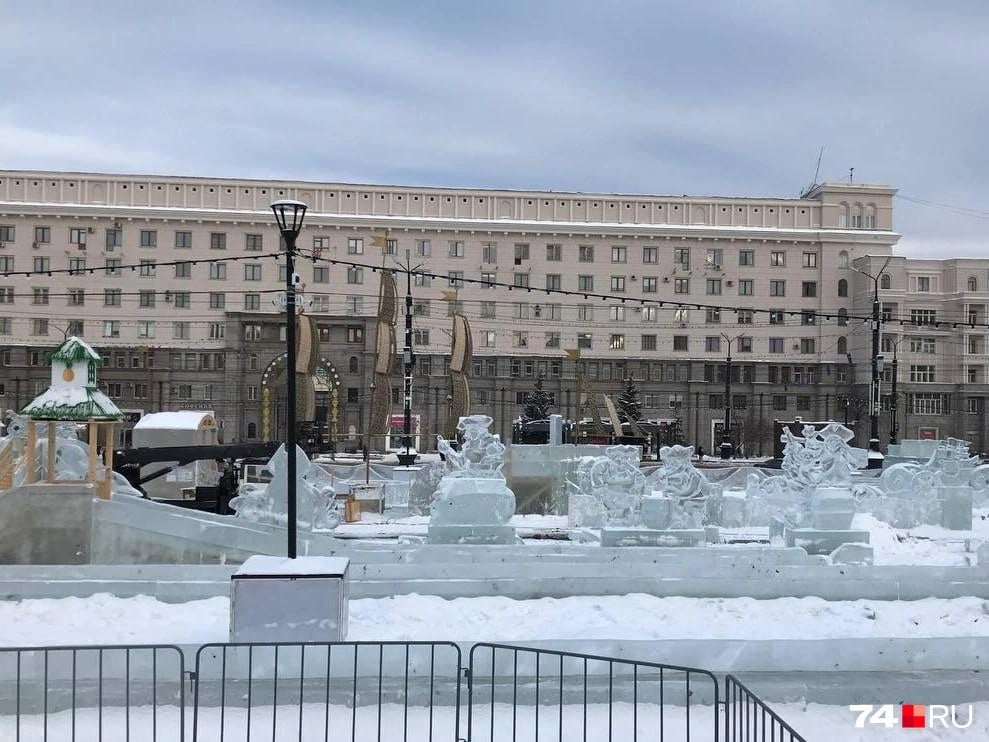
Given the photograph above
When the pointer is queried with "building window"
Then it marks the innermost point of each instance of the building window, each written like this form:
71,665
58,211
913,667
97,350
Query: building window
146,299
182,299
681,258
680,342
808,318
617,342
923,317
77,235
619,254
650,285
743,345
928,403
807,345
422,280
42,264
111,297
810,260
712,315
355,334
842,287
779,402
775,345
712,344
777,258
777,288
391,246
924,345
355,275
424,248
617,313
746,287
650,255
149,238
808,289
39,327
648,342
520,339
320,274
885,281
180,330
713,286
77,297
585,253
584,340
923,284
746,257
456,249
618,283
554,253
554,281
521,253
252,332
255,242
713,258
355,246
488,309
218,241
745,316
77,266
803,403
681,285
252,302
923,374
42,235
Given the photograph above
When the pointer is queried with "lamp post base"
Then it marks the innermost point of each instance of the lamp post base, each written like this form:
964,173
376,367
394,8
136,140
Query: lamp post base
876,458
726,450
407,459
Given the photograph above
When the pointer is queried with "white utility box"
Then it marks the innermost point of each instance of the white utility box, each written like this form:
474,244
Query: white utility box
277,599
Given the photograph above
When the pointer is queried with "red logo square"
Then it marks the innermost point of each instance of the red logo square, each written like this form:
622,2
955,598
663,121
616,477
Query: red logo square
912,716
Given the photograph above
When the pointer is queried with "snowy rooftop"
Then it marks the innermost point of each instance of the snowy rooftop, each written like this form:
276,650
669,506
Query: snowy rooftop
72,403
182,420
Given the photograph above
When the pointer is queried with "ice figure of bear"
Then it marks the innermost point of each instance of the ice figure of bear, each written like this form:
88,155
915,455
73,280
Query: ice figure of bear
677,476
619,483
481,455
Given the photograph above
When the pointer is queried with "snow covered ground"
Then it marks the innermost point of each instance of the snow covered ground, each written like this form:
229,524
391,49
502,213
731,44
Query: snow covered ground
817,723
110,620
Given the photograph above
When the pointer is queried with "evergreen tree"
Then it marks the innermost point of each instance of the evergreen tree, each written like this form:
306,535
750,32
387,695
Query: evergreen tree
629,406
537,403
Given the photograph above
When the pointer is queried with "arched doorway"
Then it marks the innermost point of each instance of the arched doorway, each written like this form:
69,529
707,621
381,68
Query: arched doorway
317,402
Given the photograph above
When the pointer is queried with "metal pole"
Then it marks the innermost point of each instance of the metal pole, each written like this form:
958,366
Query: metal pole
726,437
408,458
875,458
894,427
290,437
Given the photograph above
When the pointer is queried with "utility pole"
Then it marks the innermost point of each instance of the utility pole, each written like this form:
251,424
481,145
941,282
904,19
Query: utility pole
894,426
726,446
408,358
875,456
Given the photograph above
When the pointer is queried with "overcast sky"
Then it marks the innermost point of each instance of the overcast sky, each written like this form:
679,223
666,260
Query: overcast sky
716,97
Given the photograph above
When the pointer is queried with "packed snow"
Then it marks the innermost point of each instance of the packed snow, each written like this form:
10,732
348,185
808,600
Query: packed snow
140,620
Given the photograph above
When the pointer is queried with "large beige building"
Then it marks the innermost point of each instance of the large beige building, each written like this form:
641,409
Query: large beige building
684,276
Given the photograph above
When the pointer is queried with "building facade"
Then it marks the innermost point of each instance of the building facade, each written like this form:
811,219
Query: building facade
175,280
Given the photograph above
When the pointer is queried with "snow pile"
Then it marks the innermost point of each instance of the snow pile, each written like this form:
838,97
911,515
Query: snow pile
110,620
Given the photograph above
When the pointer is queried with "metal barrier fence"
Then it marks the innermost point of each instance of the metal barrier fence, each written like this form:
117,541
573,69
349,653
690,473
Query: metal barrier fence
359,691
365,691
749,719
519,693
92,693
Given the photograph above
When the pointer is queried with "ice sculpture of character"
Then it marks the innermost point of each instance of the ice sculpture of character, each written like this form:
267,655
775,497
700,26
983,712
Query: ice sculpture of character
473,492
618,482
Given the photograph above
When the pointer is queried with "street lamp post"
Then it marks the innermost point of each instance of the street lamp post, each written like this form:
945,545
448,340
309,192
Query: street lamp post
894,425
875,456
289,215
727,447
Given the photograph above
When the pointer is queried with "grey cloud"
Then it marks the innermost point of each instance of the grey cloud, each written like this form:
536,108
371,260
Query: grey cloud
724,97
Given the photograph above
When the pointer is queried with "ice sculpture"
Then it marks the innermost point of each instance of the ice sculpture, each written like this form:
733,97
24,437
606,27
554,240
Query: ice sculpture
315,498
939,491
819,467
472,503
